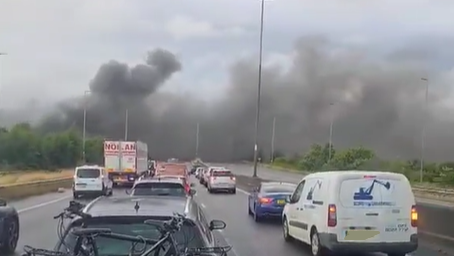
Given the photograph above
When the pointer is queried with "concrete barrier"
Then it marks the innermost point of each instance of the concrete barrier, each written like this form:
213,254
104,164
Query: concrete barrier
18,191
436,221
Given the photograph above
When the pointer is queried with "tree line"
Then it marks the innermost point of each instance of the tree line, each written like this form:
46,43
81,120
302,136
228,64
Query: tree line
324,158
24,148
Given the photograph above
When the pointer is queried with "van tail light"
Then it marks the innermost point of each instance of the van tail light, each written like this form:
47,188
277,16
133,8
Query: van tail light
414,216
232,178
332,215
265,200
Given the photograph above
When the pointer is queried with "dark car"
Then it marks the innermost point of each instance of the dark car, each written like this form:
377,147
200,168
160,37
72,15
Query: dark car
269,199
162,186
9,228
126,215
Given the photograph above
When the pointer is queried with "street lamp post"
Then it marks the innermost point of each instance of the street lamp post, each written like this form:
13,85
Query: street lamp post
330,132
197,141
126,124
423,133
84,129
1,54
259,87
273,135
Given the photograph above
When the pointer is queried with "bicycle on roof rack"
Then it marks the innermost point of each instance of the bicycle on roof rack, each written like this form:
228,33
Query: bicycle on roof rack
86,245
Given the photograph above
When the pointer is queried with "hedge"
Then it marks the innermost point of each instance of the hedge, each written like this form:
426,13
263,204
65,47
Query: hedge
24,148
360,158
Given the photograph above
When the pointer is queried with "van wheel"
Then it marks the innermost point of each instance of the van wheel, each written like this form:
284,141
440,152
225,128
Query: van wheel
316,248
104,190
75,195
285,229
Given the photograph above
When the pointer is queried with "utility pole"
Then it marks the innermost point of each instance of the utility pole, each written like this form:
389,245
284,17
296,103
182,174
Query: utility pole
84,130
423,133
259,87
126,124
1,114
273,134
197,141
331,132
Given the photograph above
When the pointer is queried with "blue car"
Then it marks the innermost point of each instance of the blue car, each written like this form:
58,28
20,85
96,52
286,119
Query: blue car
268,199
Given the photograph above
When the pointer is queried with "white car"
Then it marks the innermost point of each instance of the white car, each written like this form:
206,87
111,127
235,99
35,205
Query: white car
221,180
353,212
207,174
91,180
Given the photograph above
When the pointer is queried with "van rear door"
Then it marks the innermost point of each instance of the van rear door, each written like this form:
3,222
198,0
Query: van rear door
375,208
88,179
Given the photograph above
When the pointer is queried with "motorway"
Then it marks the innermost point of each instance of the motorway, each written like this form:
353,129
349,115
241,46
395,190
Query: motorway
247,237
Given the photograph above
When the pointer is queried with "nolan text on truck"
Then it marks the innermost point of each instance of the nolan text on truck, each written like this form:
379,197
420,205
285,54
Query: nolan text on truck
125,161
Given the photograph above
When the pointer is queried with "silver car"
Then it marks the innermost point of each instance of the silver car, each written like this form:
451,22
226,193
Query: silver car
221,180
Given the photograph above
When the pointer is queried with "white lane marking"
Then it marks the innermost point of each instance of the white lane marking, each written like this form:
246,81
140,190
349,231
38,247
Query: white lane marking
26,209
203,205
243,191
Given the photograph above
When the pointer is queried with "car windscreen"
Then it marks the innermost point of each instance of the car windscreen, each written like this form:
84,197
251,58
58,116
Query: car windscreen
88,173
159,189
222,174
189,236
278,189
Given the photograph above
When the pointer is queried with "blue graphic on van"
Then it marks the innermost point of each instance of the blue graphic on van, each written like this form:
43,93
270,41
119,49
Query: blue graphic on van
366,193
311,191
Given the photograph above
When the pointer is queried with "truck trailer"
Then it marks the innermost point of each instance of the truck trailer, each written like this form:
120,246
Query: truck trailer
125,161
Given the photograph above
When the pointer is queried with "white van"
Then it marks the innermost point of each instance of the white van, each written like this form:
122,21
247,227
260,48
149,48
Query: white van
353,212
91,180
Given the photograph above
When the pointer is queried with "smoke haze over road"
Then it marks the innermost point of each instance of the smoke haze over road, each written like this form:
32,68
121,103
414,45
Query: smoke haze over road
378,104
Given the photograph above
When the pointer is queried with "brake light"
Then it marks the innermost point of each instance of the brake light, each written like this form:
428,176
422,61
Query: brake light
264,200
414,216
332,215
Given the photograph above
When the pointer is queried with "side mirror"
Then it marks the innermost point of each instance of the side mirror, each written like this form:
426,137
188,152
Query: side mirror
192,192
192,185
3,202
128,191
217,225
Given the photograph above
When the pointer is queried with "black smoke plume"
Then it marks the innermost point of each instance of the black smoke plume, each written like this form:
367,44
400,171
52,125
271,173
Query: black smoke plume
378,104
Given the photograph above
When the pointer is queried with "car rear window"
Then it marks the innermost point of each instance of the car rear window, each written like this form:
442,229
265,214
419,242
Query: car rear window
88,173
222,174
188,236
371,192
279,189
158,189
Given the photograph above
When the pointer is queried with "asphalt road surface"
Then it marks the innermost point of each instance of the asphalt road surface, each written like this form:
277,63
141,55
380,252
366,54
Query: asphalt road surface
248,238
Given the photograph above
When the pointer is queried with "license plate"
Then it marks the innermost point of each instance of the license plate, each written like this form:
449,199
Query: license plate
359,235
280,201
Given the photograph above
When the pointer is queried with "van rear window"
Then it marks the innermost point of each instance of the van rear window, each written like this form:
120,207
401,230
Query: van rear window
88,173
371,192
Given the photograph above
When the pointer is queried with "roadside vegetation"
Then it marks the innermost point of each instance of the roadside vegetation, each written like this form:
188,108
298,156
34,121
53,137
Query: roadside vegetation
25,149
318,159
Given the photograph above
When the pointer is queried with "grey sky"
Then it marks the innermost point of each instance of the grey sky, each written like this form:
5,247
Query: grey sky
56,47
